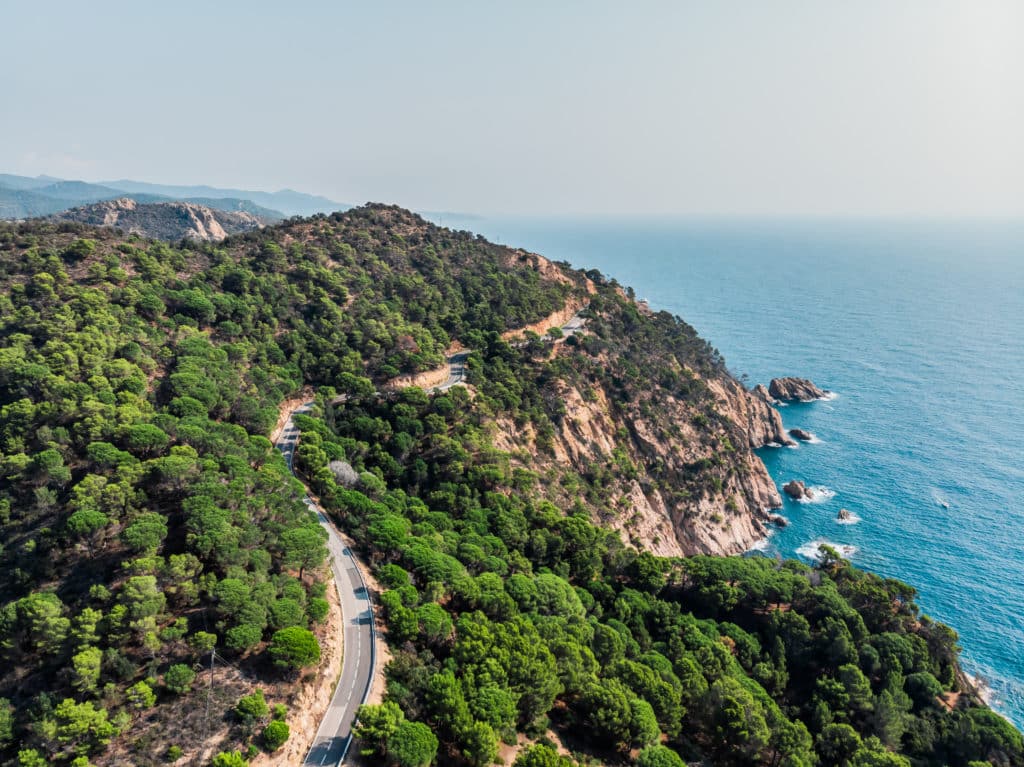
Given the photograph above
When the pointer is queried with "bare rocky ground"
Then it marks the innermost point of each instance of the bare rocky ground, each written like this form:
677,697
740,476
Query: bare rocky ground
171,221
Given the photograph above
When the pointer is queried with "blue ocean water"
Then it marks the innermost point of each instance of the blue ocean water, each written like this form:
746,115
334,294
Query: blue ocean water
919,329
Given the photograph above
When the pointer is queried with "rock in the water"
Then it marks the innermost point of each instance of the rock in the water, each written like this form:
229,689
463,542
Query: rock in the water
800,434
778,520
796,490
795,390
761,392
843,514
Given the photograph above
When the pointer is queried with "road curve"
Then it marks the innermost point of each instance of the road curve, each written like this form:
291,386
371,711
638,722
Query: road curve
334,736
456,371
457,362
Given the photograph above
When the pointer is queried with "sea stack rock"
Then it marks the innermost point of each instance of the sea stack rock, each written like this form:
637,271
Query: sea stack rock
843,515
800,434
778,520
795,390
797,490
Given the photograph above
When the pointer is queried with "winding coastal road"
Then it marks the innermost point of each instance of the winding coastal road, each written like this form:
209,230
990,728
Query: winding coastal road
334,736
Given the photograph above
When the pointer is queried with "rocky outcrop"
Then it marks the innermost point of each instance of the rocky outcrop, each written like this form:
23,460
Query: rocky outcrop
761,392
778,520
800,434
844,515
762,422
795,390
797,490
164,220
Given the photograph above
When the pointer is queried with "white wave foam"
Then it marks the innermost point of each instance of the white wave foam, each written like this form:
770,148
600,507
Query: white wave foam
773,444
828,396
810,549
851,520
764,544
819,494
984,689
815,440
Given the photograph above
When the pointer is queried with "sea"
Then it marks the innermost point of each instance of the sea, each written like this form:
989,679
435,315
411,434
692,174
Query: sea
917,329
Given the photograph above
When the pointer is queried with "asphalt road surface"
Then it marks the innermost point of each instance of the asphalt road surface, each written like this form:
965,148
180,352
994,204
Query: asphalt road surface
334,736
456,371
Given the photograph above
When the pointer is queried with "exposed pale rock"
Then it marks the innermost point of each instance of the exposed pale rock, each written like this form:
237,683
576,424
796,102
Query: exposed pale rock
761,392
164,220
795,390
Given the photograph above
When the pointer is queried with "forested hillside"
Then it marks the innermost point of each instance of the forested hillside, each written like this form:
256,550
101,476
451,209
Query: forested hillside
516,621
148,523
145,515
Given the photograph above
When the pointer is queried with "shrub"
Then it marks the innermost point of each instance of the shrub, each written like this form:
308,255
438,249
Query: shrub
229,759
275,734
178,678
252,707
294,647
140,695
317,609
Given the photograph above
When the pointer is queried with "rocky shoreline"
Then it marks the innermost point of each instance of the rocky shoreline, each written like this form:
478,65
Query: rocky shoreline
765,429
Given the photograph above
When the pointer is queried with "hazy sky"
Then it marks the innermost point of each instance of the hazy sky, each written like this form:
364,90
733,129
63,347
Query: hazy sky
719,107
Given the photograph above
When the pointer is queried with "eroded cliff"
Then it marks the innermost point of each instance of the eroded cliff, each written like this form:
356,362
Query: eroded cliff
677,471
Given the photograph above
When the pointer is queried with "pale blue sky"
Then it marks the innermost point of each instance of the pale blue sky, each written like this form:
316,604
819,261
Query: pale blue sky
875,107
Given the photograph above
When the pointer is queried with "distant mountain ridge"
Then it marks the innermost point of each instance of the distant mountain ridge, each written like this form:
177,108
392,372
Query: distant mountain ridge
163,220
288,201
28,197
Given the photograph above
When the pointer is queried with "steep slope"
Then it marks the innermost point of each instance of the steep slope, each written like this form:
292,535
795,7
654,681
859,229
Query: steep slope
653,395
163,220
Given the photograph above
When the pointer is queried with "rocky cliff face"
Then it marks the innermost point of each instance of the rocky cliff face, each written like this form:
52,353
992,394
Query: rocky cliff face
696,487
164,220
763,422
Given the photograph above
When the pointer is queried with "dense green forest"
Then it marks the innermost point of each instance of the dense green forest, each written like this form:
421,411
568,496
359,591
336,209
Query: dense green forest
146,518
148,527
509,616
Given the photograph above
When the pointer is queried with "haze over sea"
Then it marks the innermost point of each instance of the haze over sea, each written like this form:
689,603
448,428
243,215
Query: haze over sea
919,329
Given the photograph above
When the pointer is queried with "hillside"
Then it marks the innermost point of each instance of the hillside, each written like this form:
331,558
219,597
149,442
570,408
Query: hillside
288,201
28,203
27,197
163,220
513,523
